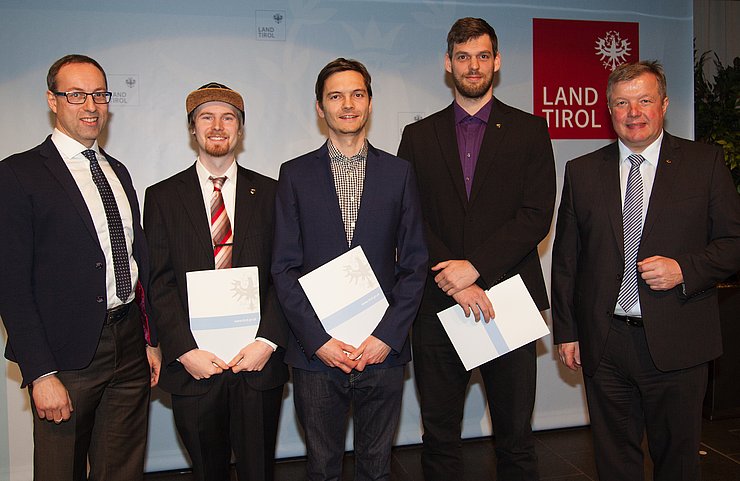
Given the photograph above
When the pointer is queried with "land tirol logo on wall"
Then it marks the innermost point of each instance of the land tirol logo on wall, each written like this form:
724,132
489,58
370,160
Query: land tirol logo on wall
572,62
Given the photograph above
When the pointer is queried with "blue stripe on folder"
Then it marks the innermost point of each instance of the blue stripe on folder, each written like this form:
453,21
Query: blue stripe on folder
353,309
224,322
496,337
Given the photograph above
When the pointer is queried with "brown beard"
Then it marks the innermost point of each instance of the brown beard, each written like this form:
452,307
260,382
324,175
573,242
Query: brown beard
471,92
216,150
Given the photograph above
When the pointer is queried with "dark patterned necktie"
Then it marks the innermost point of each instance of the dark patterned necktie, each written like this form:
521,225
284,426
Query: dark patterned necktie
220,226
121,267
632,224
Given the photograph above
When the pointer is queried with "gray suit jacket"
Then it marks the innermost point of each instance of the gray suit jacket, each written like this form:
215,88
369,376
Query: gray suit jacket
693,217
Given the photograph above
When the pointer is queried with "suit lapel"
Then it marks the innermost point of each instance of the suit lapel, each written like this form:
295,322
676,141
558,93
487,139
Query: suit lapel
609,178
58,168
444,127
324,182
493,137
369,194
665,174
191,197
244,212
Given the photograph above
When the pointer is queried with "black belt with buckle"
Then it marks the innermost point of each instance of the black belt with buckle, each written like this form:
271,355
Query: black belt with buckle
629,320
116,314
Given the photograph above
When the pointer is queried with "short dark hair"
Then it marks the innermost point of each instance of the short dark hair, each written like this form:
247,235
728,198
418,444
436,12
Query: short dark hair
630,71
341,65
468,28
51,77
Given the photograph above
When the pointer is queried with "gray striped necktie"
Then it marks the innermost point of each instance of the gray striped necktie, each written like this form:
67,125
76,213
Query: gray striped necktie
632,224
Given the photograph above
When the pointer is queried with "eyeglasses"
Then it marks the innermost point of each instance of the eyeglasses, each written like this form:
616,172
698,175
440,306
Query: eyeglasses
81,97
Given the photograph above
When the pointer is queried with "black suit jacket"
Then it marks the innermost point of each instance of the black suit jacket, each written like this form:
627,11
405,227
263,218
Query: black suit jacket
179,239
511,201
693,217
52,268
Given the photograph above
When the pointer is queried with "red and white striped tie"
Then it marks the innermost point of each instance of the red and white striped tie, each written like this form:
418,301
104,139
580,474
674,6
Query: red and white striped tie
221,233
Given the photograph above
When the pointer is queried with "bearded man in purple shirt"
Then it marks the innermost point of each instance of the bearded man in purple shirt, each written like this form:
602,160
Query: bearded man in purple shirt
486,176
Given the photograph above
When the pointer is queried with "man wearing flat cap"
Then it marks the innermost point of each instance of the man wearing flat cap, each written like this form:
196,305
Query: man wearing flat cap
216,215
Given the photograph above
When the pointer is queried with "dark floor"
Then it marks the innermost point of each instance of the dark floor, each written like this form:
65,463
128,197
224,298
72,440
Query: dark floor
564,454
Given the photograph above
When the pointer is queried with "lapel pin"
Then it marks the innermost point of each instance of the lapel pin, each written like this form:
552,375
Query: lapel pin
498,126
252,191
668,161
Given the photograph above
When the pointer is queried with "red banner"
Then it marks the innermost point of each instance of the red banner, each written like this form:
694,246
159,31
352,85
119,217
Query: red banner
572,62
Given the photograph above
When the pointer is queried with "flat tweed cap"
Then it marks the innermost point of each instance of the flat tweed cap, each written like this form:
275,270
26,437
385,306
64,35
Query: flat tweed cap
213,92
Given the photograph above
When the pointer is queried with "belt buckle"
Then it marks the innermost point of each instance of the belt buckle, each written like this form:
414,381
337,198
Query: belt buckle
114,315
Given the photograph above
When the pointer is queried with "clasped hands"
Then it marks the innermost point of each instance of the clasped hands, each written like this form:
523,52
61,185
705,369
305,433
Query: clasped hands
457,279
335,353
203,364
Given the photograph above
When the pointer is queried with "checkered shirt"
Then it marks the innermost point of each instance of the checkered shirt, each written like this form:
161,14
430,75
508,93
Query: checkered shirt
349,178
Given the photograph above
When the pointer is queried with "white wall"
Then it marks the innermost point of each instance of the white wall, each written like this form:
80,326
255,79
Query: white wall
170,47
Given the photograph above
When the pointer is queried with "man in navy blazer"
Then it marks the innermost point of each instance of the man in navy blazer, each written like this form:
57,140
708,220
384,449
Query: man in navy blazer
74,320
347,194
644,356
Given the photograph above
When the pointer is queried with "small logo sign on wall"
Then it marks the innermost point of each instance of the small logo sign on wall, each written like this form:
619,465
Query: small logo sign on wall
270,25
125,89
572,62
406,118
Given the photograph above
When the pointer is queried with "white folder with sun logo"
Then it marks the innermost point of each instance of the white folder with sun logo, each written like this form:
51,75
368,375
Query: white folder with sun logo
224,307
346,296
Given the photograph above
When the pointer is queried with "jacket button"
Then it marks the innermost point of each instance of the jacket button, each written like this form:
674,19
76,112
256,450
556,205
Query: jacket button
98,265
99,299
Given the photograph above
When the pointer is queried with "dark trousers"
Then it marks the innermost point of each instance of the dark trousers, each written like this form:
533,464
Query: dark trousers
108,426
230,416
323,400
628,397
442,382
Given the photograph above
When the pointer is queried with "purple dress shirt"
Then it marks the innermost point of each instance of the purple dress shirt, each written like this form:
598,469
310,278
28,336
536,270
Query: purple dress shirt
470,130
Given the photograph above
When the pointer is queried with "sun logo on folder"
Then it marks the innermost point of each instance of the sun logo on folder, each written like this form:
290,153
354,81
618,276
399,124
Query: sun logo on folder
245,291
360,273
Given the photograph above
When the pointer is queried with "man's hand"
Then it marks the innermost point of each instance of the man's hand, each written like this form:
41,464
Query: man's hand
455,276
371,351
570,355
154,357
474,299
252,357
335,354
51,399
660,273
202,364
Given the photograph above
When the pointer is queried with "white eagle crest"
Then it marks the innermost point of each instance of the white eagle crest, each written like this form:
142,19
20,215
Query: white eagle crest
360,273
613,49
245,292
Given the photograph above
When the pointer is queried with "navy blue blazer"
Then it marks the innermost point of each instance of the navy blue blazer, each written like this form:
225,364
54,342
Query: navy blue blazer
309,232
52,268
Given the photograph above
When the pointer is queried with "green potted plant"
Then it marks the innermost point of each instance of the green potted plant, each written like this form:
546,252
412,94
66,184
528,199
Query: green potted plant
717,109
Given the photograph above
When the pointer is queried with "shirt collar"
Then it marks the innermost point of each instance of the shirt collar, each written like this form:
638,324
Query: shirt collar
203,173
483,114
651,152
336,156
69,147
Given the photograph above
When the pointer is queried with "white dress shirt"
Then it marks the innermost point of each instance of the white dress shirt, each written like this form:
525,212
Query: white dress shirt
228,192
647,172
79,167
